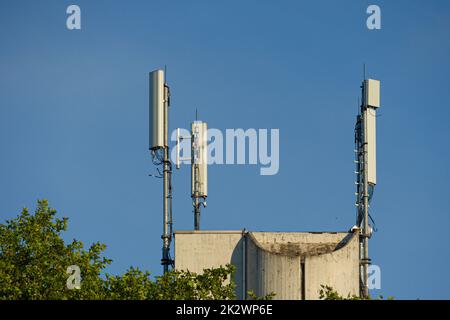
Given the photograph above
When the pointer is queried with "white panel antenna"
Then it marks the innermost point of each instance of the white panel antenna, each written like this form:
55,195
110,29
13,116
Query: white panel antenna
199,166
157,110
179,158
370,116
199,160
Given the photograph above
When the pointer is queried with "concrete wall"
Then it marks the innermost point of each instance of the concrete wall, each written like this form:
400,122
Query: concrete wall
199,250
338,269
291,264
267,273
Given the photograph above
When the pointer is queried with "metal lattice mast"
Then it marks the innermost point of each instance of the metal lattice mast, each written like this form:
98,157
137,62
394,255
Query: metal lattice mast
365,149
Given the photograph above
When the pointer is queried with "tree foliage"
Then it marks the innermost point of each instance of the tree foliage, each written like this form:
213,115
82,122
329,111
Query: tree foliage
34,260
328,293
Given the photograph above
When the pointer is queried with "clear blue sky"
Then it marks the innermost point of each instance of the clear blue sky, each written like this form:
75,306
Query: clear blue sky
74,129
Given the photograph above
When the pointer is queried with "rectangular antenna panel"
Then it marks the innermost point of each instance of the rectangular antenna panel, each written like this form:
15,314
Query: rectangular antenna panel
157,110
199,159
372,93
371,140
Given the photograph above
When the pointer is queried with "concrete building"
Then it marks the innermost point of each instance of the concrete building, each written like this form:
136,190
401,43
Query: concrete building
293,265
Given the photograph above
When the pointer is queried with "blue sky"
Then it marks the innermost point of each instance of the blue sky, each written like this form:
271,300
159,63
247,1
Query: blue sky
74,121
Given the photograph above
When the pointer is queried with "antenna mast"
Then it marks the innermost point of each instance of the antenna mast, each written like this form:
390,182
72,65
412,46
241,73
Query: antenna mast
199,166
365,154
159,149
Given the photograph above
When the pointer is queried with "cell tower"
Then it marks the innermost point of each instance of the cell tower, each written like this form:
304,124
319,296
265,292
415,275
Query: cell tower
199,166
365,154
159,101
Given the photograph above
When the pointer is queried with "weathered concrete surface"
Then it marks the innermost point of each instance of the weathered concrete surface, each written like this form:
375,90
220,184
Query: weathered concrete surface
298,243
199,250
338,269
291,264
267,272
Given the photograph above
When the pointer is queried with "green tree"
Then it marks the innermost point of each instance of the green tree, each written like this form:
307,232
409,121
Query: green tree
328,293
174,285
34,261
34,258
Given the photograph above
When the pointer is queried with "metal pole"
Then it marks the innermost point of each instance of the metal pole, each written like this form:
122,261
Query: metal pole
196,214
196,195
166,261
366,231
166,237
